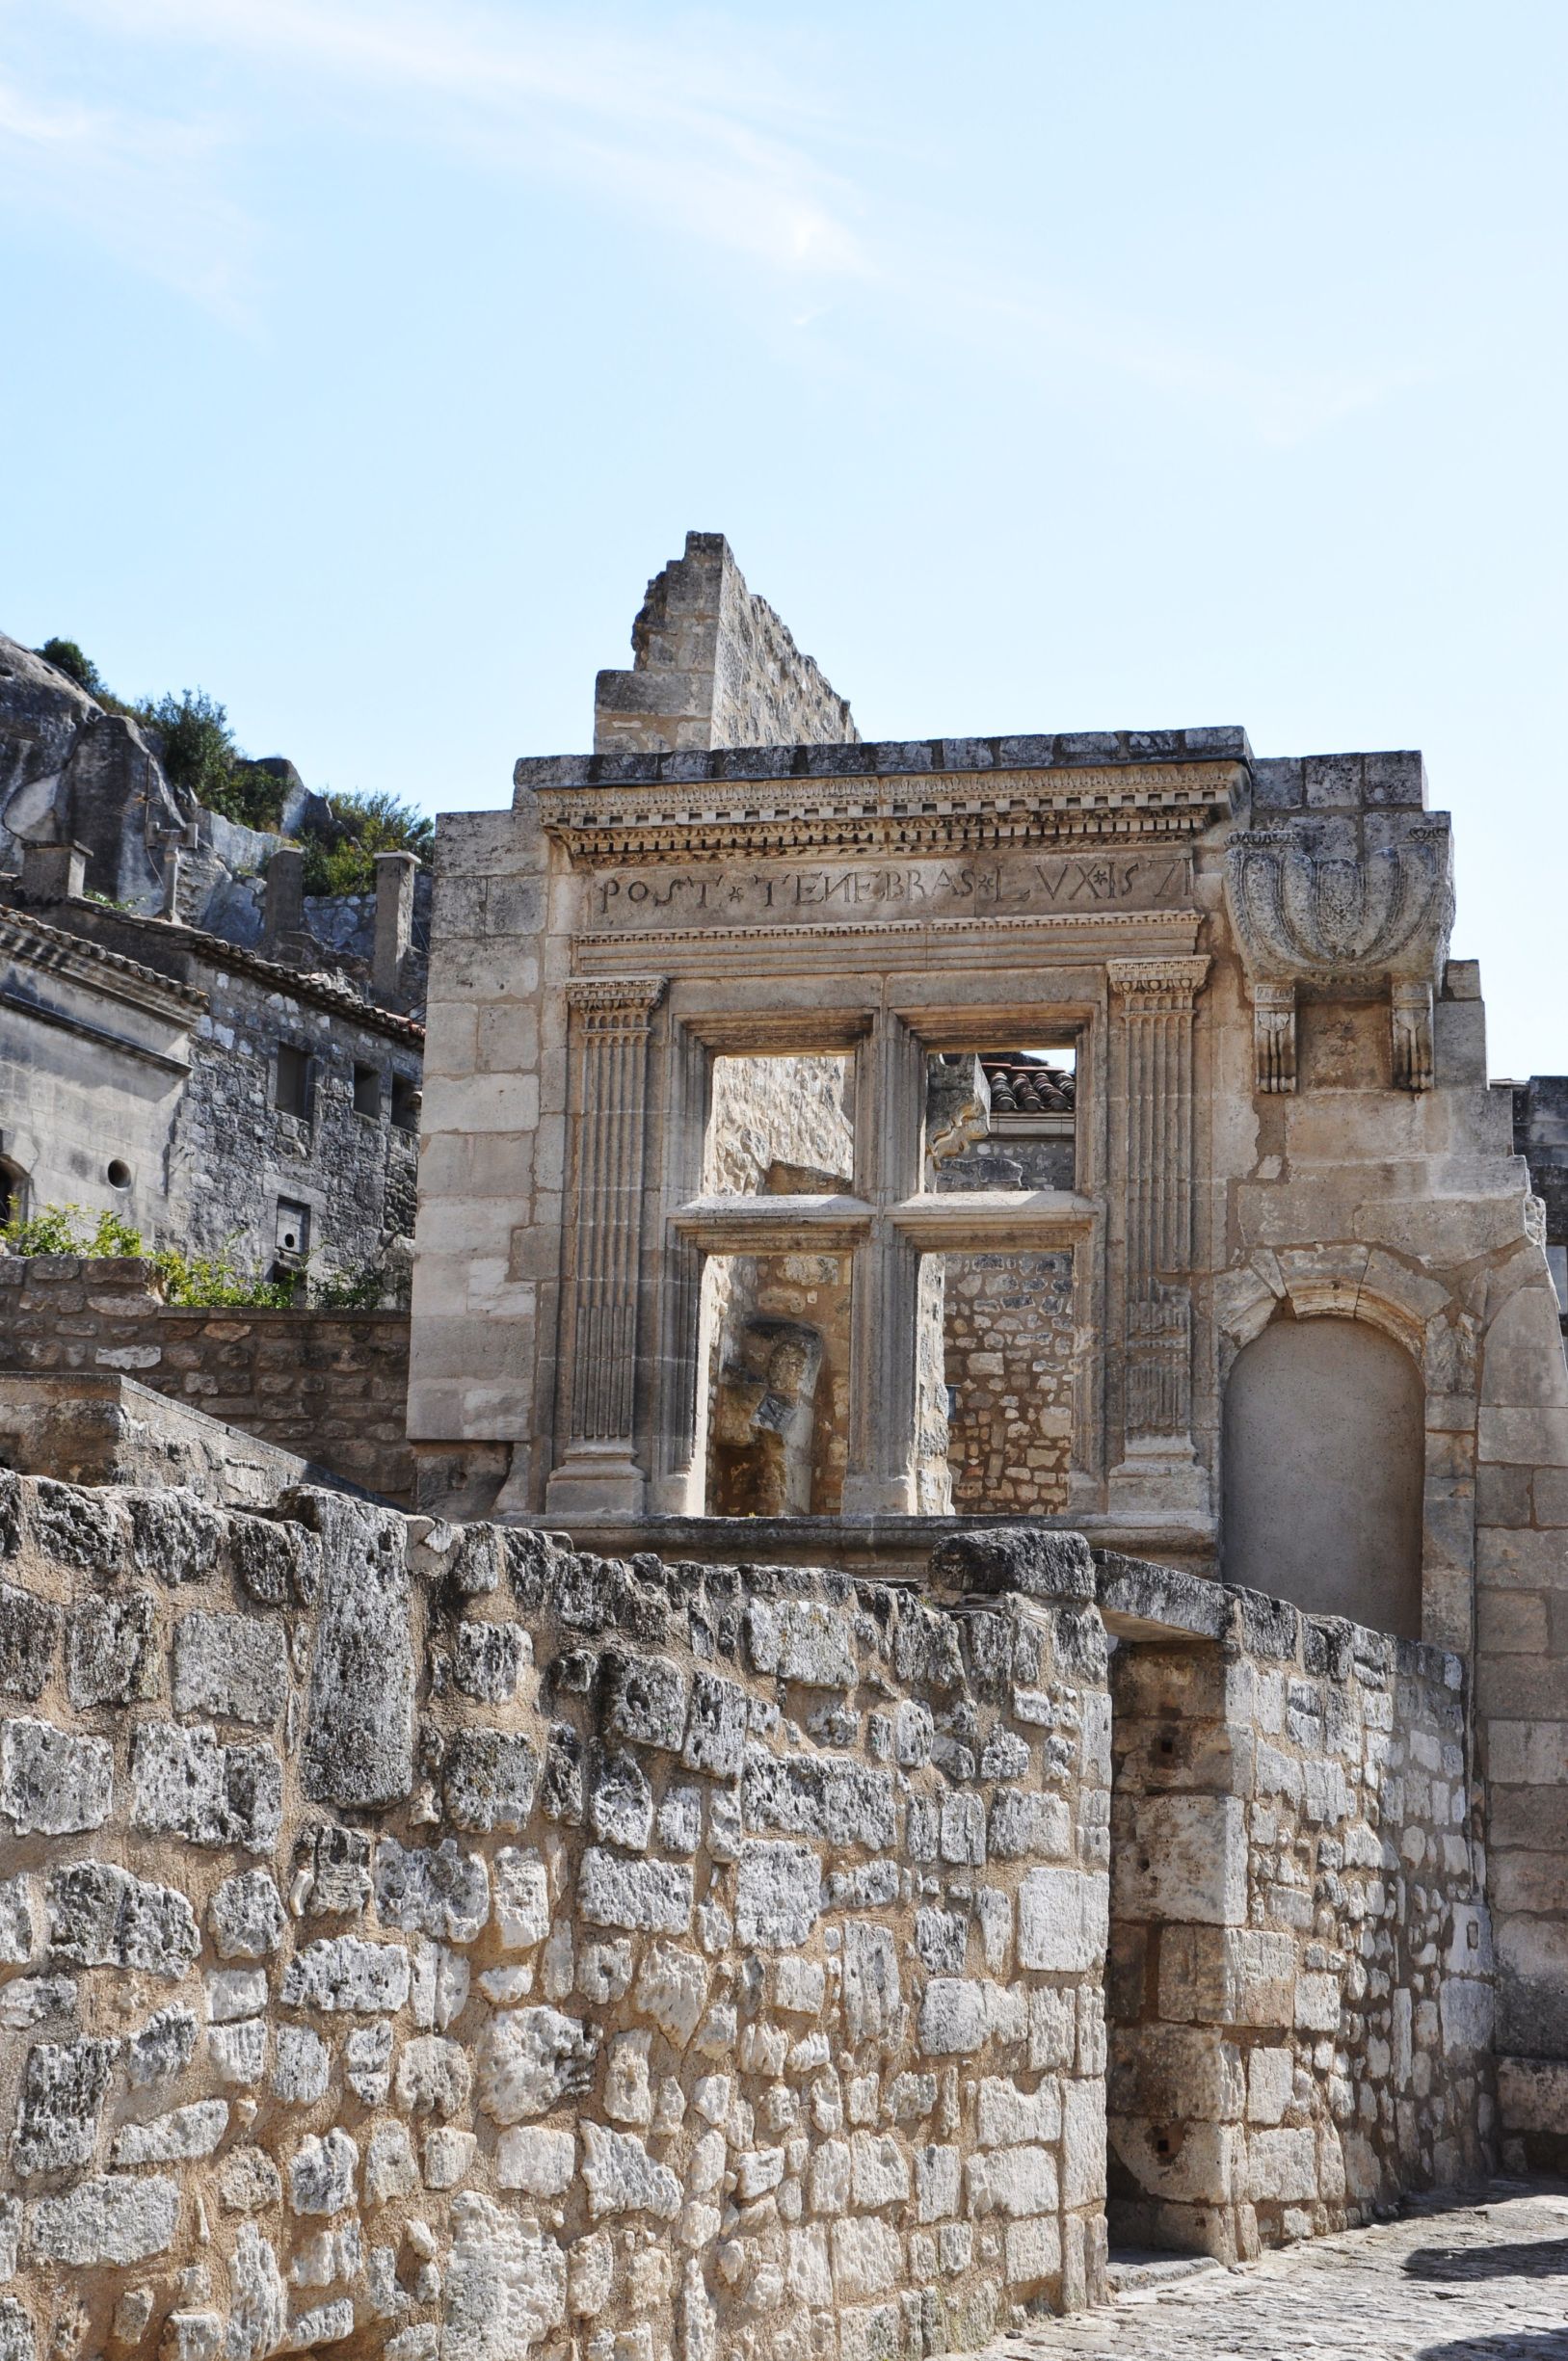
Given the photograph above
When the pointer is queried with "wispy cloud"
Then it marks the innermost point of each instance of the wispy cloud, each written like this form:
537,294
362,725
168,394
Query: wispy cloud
141,186
706,130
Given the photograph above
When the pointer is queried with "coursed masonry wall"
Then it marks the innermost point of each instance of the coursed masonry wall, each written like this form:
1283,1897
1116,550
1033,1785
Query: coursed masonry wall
435,1936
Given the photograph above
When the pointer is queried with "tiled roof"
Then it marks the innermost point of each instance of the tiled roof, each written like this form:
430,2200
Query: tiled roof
1022,1086
318,991
63,941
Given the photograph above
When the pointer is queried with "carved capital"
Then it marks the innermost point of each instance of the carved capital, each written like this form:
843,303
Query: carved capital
615,1004
1156,985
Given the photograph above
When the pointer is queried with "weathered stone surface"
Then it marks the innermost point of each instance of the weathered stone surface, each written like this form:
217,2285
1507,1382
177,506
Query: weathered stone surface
716,1738
622,2178
116,2219
111,1650
646,1700
322,2174
63,2084
247,1916
488,1780
358,1732
52,1784
162,2048
529,2060
231,1664
186,2132
487,1660
506,2284
187,1785
779,1893
433,1890
345,1972
655,1896
101,1916
29,1642
521,1899
1038,1564
18,1921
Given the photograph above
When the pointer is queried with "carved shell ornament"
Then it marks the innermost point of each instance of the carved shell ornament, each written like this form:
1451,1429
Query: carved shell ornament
1301,914
1380,916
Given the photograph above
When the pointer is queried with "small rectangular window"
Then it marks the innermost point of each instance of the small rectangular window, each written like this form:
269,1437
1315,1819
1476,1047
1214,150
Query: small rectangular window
291,1087
367,1091
405,1103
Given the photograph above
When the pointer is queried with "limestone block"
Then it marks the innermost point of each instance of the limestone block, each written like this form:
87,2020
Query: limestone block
878,2170
867,2256
1063,1920
186,1783
651,1896
521,1898
18,1921
622,2178
1026,1824
1227,1976
1083,2141
367,2062
1317,2003
646,1700
433,2076
234,1992
488,1660
238,2053
358,1730
620,1803
1187,2163
344,1971
163,2047
1010,2117
29,1642
778,1895
1185,1860
1032,2250
672,1988
258,2307
56,2111
322,2174
801,1639
1166,2071
302,2066
489,1779
247,1917
173,2138
539,2162
101,1916
1013,2181
231,1664
715,1740
432,1889
870,1985
116,2219
1271,2081
52,1784
1282,2164
391,2169
529,2060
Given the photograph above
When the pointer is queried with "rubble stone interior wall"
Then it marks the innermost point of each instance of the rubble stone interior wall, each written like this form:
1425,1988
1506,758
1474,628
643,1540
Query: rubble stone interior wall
429,1935
330,1386
1010,1346
776,1124
1540,1131
714,666
1300,1990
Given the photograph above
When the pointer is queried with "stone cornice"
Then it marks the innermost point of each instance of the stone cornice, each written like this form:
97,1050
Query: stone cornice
953,812
80,960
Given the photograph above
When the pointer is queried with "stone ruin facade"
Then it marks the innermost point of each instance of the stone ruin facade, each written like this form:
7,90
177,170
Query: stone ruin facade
979,1675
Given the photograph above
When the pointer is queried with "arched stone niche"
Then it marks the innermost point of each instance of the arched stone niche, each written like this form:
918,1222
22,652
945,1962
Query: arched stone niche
1324,1462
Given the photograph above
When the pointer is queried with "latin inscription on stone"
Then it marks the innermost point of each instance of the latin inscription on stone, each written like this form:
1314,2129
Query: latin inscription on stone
823,893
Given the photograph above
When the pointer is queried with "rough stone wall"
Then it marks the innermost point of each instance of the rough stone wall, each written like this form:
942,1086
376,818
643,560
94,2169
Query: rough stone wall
234,1155
330,1385
1010,1351
1540,1121
1301,1992
431,1936
714,666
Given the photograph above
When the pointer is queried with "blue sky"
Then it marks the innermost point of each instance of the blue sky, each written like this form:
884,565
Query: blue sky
1083,363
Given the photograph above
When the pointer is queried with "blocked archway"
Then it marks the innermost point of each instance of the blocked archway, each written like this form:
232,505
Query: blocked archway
1323,1466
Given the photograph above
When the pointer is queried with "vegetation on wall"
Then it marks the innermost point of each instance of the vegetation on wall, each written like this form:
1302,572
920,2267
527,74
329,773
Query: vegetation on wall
200,1281
340,834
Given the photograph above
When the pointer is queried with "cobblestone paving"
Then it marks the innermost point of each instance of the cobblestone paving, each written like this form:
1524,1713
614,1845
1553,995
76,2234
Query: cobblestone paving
1485,2281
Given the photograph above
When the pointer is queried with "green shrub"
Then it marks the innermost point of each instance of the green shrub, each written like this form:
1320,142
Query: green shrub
198,748
71,1229
206,1280
365,824
67,657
